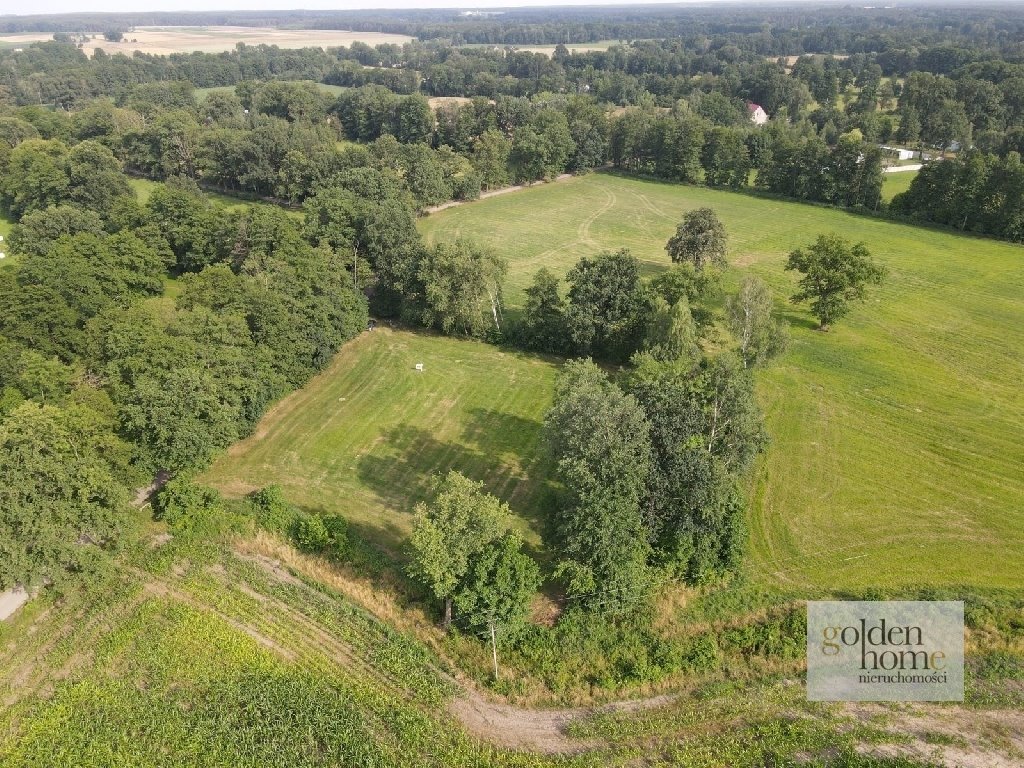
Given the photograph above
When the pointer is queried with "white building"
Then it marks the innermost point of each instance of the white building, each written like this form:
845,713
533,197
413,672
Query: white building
901,154
757,114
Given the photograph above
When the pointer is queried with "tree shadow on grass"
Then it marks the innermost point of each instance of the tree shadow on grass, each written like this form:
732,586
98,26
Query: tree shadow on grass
498,449
798,318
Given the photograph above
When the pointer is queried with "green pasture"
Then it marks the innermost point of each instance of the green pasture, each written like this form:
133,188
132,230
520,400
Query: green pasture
896,457
366,436
894,183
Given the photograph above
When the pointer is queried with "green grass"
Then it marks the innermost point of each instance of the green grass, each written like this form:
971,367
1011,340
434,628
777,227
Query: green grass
894,183
202,93
895,458
365,437
5,230
144,188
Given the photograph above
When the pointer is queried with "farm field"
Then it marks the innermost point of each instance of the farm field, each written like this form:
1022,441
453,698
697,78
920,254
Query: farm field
364,437
895,458
278,674
167,40
283,670
549,50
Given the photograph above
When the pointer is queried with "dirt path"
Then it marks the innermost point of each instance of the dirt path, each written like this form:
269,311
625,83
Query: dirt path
144,494
542,730
492,193
958,736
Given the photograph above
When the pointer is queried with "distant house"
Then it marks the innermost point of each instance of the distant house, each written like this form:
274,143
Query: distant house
757,114
900,152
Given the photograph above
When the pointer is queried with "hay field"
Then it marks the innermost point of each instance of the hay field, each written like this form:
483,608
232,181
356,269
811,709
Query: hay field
896,456
166,40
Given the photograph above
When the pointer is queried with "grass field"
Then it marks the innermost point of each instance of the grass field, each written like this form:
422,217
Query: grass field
202,93
896,457
167,40
364,438
894,183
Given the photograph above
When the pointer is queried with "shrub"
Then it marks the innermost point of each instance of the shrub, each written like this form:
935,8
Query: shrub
185,505
309,533
271,509
337,535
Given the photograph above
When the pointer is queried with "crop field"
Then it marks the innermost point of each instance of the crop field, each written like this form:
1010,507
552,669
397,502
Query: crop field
364,438
167,40
183,653
275,673
895,458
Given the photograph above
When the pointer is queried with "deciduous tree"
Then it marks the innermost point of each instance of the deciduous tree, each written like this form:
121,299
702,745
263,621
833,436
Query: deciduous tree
700,239
835,274
749,314
450,534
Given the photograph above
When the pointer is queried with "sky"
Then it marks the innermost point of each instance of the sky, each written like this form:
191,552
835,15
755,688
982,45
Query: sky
78,6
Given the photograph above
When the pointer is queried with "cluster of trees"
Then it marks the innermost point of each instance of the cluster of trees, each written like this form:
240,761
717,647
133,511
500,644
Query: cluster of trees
976,191
105,380
532,116
649,461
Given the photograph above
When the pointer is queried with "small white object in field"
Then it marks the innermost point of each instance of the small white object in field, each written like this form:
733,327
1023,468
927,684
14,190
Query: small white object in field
419,366
1,238
3,255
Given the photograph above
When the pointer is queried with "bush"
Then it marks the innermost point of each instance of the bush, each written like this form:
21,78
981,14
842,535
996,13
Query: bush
271,509
702,655
184,505
309,533
337,535
320,535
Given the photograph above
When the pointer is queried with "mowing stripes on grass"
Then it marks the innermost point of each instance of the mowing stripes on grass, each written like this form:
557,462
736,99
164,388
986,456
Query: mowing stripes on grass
895,437
365,438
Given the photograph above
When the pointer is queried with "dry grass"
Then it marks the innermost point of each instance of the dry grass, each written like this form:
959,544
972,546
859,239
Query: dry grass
166,40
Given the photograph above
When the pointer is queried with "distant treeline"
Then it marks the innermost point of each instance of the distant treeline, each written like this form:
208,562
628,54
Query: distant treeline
784,30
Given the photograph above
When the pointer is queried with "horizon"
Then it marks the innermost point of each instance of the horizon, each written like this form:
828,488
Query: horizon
65,7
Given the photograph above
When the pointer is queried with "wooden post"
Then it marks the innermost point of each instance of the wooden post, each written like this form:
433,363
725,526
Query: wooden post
494,651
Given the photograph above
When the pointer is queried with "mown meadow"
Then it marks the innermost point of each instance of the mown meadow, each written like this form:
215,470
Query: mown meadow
366,437
895,458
